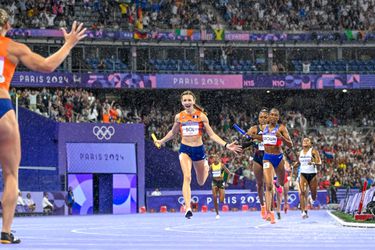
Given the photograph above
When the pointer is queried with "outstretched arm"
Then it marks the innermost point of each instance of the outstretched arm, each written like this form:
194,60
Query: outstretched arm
36,62
232,146
171,133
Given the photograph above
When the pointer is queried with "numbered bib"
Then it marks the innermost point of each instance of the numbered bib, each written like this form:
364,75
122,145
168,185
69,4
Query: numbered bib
270,139
216,173
261,146
190,129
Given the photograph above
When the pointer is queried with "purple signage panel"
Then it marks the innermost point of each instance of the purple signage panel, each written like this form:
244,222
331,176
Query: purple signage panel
308,81
82,186
101,158
191,81
124,193
35,79
194,81
92,80
237,36
232,198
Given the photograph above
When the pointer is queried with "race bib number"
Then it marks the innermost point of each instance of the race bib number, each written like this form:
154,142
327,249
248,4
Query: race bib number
216,173
190,129
2,78
261,146
270,139
266,165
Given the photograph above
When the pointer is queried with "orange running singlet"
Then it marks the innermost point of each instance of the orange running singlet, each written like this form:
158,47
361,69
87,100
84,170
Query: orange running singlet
7,68
191,124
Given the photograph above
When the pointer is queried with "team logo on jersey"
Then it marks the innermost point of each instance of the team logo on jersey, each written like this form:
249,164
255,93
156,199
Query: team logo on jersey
183,117
195,116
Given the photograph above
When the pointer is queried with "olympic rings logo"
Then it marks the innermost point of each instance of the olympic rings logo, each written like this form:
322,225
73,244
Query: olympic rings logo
103,132
181,200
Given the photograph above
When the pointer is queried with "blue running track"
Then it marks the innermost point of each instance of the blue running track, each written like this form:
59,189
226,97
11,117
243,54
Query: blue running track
234,230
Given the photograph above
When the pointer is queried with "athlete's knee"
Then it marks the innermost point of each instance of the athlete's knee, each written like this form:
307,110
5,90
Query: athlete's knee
10,171
269,187
200,182
187,178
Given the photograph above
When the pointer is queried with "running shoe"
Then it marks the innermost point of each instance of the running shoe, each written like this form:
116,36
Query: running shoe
8,238
217,217
263,212
188,214
273,218
278,215
304,215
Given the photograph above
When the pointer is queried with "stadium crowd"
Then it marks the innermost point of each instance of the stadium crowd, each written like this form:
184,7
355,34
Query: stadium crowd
344,142
293,15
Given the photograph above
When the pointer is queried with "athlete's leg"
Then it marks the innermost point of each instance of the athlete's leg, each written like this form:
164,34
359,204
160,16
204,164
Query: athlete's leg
214,194
186,164
201,170
314,187
303,192
286,191
222,194
258,172
268,180
10,157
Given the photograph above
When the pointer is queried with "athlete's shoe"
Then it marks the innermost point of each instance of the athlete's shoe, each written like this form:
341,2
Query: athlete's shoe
217,217
286,206
8,238
273,218
307,215
304,215
278,215
268,216
188,214
263,212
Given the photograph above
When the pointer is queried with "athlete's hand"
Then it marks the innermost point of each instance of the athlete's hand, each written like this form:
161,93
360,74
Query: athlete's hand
76,34
158,143
234,147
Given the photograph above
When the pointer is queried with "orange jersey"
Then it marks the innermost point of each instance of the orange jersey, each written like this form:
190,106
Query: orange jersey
7,68
191,124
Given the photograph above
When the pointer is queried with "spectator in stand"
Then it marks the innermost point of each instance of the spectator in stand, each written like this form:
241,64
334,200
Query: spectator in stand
46,204
21,205
31,206
156,192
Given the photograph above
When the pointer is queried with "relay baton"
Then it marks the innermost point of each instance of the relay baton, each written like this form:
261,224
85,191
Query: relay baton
154,139
240,130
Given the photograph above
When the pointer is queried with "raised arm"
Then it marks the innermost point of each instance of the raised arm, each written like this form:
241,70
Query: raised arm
232,146
35,62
